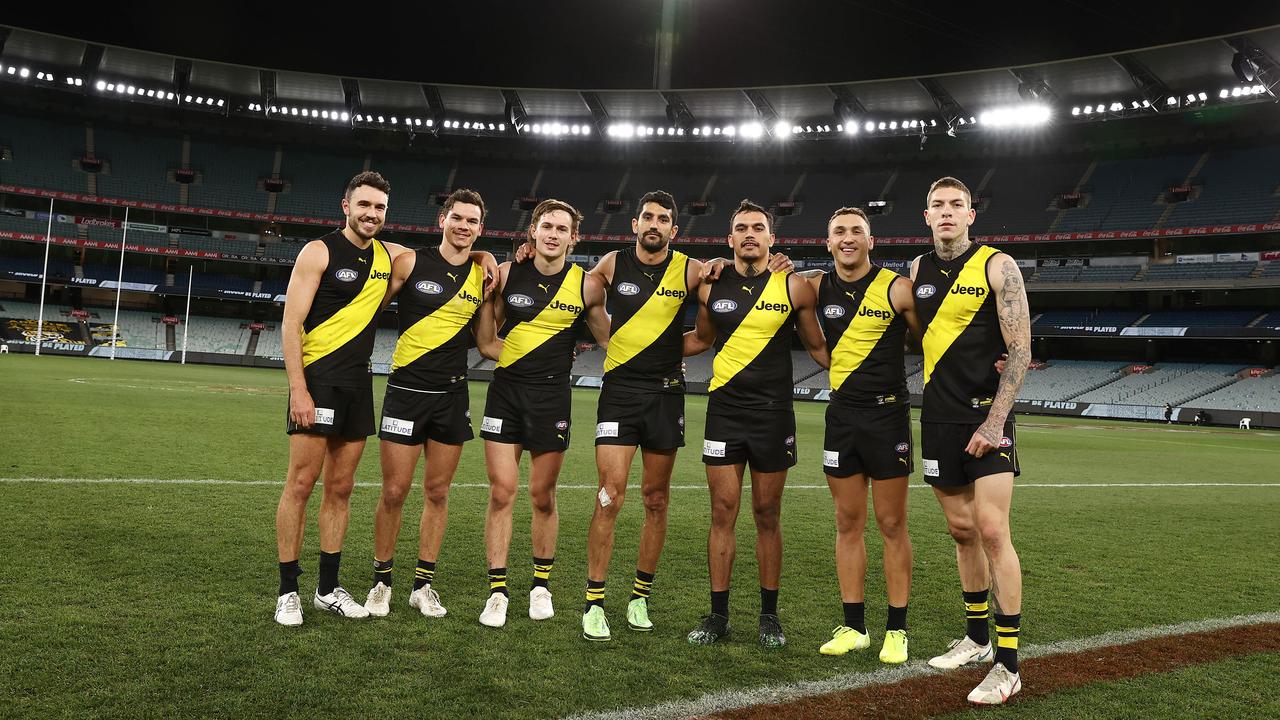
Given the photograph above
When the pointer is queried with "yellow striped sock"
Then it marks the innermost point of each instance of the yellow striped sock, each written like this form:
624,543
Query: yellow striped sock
542,571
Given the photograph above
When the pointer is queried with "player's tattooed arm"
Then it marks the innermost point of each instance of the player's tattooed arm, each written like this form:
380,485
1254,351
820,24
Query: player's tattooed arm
806,301
489,318
1015,326
703,334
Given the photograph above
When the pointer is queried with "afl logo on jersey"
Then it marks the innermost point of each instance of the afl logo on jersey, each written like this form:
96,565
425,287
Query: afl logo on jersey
833,311
627,288
1006,442
346,275
925,291
903,448
427,287
724,306
520,301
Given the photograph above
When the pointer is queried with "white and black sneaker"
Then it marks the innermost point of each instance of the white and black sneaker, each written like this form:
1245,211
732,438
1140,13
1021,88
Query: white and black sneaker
379,602
289,610
340,602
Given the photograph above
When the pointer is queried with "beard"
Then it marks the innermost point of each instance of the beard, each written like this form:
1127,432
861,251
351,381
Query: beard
653,243
355,225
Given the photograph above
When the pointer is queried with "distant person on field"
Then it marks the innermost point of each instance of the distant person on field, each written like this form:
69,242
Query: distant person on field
1168,413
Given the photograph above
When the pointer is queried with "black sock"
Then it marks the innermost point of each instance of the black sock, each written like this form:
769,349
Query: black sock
720,602
976,613
289,572
382,571
498,581
328,571
542,571
424,574
897,618
595,594
768,601
855,616
642,586
1007,628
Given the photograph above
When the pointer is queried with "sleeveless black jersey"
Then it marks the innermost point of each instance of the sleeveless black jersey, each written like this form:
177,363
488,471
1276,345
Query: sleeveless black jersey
338,331
865,337
647,326
538,329
437,308
962,339
754,318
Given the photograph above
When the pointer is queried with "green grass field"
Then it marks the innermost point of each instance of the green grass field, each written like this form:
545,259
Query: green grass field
150,599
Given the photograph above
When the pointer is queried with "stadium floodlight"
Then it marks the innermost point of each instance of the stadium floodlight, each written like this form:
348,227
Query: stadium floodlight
716,131
697,131
1116,107
220,102
781,129
751,130
706,129
648,131
466,125
1088,110
1146,103
1075,110
1136,105
1203,96
101,85
79,82
23,73
294,111
1225,93
324,114
662,131
851,129
168,96
344,117
839,127
1171,101
622,131
869,126
1191,98
11,70
1016,116
587,131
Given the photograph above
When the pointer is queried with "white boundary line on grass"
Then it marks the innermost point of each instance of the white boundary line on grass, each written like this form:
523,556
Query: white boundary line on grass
734,699
917,486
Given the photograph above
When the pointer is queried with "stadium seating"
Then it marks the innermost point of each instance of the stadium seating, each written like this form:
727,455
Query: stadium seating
1107,273
269,342
1123,194
1251,394
1200,318
316,180
1136,384
228,175
45,153
138,164
214,335
1199,271
589,361
1185,386
698,367
1065,379
1234,186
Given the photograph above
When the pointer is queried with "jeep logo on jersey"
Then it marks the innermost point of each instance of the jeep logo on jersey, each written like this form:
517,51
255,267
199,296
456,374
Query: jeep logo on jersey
779,307
558,305
902,447
347,275
627,288
664,292
520,301
925,291
968,290
468,297
872,312
724,306
833,311
1006,442
379,275
429,288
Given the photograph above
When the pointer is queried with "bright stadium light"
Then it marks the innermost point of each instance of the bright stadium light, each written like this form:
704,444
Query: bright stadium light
893,124
851,129
1203,96
1116,107
344,117
730,130
622,131
1075,110
869,126
1016,116
101,85
1088,110
697,131
781,129
23,73
751,130
706,129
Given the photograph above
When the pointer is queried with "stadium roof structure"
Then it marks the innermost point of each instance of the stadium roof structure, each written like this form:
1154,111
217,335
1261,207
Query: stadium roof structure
1236,69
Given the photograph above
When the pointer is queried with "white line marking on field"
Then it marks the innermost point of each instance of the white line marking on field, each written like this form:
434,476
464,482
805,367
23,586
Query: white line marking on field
1133,437
734,699
593,488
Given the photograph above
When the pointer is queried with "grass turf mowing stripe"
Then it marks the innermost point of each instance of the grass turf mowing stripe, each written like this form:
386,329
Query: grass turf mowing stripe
724,702
215,481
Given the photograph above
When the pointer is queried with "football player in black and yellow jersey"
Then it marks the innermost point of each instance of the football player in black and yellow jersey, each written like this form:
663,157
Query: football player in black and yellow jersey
865,311
749,314
330,315
642,400
426,409
973,308
530,330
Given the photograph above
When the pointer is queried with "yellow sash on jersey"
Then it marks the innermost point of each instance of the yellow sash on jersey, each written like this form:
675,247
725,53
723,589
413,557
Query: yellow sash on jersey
440,326
655,316
343,326
754,332
864,331
528,336
957,309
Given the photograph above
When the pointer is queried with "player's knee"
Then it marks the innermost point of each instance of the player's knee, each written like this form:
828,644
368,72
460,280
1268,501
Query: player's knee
393,495
339,490
963,533
298,489
893,525
501,495
543,501
994,535
767,515
655,501
850,521
437,493
723,511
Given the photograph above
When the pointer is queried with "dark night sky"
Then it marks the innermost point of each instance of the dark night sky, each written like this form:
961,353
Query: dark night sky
610,43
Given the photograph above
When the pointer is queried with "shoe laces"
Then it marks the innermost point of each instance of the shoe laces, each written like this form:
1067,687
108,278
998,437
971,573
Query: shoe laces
341,596
955,644
998,676
433,597
381,593
292,603
840,630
